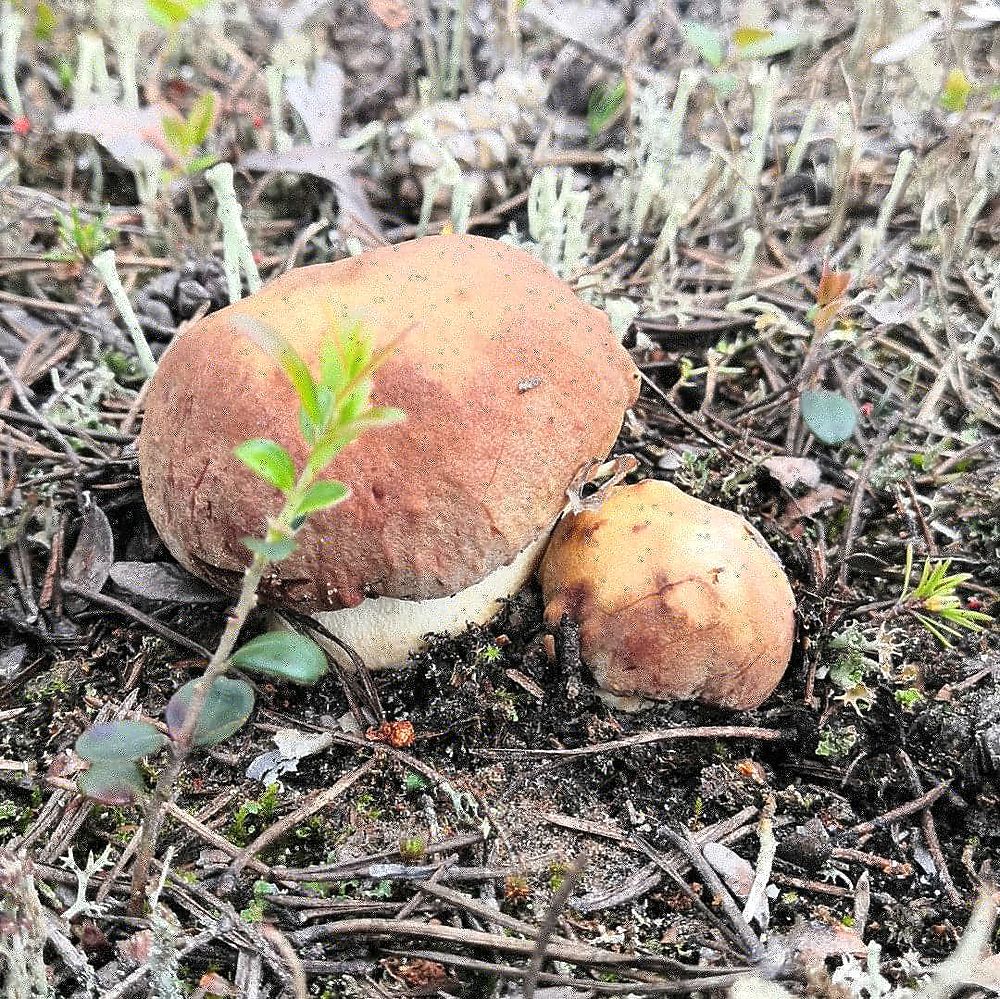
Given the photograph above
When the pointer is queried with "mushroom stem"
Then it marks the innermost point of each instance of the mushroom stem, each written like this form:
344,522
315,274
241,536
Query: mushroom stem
385,631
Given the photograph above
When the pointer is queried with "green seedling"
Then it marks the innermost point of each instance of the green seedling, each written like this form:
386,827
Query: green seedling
185,136
79,240
171,14
604,107
935,603
335,409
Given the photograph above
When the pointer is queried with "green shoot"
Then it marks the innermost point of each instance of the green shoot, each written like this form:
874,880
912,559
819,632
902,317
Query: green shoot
934,600
171,14
79,240
185,135
604,106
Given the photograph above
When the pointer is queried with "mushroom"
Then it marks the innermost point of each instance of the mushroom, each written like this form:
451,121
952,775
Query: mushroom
676,599
508,382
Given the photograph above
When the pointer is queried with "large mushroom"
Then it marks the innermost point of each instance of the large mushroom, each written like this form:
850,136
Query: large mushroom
676,599
508,382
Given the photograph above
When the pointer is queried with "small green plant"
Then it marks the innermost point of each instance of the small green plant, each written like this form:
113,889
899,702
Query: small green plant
955,92
604,106
79,240
413,783
171,14
261,809
412,849
908,698
557,875
254,912
367,807
491,653
186,135
934,600
837,741
335,410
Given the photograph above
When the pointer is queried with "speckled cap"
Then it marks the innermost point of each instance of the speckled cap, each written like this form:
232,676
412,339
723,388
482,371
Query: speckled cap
676,599
509,382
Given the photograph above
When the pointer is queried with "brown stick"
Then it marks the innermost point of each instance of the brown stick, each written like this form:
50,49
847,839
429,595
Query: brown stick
910,808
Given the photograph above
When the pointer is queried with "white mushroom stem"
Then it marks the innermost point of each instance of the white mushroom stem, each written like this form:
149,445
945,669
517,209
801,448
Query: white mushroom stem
385,631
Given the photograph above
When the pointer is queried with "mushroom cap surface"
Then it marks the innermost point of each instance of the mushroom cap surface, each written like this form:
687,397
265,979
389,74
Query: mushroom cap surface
508,381
676,599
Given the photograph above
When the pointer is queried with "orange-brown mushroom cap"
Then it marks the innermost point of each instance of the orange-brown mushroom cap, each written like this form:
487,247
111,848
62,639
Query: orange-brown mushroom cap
676,599
508,383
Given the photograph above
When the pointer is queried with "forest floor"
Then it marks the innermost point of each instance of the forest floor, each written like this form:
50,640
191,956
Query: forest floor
774,203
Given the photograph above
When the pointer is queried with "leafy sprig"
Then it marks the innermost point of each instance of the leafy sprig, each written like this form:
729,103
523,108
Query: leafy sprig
334,410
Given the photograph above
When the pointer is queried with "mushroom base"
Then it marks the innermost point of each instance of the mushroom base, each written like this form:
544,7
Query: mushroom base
385,631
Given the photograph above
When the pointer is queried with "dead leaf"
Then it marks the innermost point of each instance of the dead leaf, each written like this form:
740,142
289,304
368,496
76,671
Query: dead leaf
793,472
128,134
90,564
813,502
163,581
736,872
329,163
293,746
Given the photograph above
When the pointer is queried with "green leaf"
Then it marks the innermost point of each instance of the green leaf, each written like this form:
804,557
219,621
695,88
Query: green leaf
352,407
381,416
955,94
268,460
307,428
118,741
288,360
321,496
178,135
200,163
829,415
118,783
45,22
603,106
706,42
201,118
331,365
357,350
286,655
273,551
332,444
171,14
226,710
772,45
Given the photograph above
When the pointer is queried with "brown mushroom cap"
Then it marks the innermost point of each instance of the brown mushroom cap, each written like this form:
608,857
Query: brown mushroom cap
508,382
676,599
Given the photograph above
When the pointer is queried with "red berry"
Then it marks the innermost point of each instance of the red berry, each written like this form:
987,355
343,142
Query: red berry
21,125
258,121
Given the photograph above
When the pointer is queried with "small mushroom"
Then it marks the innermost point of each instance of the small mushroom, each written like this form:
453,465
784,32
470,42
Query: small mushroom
450,509
676,599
